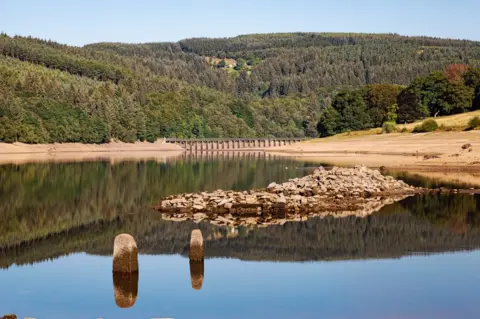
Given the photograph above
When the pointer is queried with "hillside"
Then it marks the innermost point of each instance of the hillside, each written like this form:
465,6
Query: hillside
272,85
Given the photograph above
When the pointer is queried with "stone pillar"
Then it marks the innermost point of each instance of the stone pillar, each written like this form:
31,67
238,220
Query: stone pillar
196,245
196,256
125,254
125,270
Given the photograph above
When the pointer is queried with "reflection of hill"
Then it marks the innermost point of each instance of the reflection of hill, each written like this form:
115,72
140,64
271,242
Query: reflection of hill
40,199
421,224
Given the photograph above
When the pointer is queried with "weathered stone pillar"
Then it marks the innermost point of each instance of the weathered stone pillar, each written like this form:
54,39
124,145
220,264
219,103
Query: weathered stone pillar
125,254
125,270
196,256
196,245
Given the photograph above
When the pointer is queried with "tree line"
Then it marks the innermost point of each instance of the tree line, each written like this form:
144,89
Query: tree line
296,85
451,91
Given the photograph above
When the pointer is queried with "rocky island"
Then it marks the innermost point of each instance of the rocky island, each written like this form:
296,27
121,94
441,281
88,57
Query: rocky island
341,192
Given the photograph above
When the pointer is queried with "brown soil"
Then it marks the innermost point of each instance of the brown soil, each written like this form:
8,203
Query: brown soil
430,151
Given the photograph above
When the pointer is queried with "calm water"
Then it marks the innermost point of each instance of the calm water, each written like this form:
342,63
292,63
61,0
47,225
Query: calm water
417,258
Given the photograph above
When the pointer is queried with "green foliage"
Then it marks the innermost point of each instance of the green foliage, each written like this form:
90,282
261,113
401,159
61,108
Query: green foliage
381,102
305,62
286,85
429,125
328,124
432,96
221,64
392,113
474,123
389,127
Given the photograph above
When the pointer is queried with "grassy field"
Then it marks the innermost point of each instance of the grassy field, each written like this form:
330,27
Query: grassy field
458,122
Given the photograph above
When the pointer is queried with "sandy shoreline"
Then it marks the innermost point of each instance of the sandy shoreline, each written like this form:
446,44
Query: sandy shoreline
396,151
444,150
19,153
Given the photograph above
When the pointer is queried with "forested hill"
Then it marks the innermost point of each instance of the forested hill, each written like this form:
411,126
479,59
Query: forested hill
253,85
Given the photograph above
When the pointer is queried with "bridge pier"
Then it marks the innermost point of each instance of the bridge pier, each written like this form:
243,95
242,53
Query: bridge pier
201,145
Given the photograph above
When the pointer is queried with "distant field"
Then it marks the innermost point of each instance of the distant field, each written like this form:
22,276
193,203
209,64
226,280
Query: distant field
457,122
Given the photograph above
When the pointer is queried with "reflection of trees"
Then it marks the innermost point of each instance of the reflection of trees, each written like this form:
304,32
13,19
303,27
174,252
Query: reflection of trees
41,199
421,224
49,210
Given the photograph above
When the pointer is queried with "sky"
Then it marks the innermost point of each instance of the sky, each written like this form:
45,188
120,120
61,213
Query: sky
87,21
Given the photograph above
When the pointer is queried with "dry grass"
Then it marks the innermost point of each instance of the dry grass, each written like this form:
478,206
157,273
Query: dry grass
453,123
456,122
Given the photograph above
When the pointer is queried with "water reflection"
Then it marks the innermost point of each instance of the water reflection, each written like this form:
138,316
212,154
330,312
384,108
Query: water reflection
427,223
40,200
197,273
125,287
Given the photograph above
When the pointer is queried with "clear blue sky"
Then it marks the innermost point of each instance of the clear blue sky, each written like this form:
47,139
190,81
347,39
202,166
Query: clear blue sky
86,21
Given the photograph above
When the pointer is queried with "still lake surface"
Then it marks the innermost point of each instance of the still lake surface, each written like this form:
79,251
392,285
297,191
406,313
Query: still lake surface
417,258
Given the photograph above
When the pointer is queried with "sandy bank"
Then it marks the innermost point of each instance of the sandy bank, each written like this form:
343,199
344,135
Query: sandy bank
23,153
444,150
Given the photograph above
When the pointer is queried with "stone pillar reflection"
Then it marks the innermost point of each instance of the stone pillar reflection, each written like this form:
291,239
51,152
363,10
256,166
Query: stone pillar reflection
125,289
197,272
196,255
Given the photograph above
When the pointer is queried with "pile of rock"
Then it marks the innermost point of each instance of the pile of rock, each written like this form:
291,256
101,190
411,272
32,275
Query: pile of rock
340,192
359,181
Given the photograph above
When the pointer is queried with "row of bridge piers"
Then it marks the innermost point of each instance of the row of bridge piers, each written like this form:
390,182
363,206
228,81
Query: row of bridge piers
196,145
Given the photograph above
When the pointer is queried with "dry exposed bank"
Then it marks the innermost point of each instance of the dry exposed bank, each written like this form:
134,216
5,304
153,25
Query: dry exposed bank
426,151
23,153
